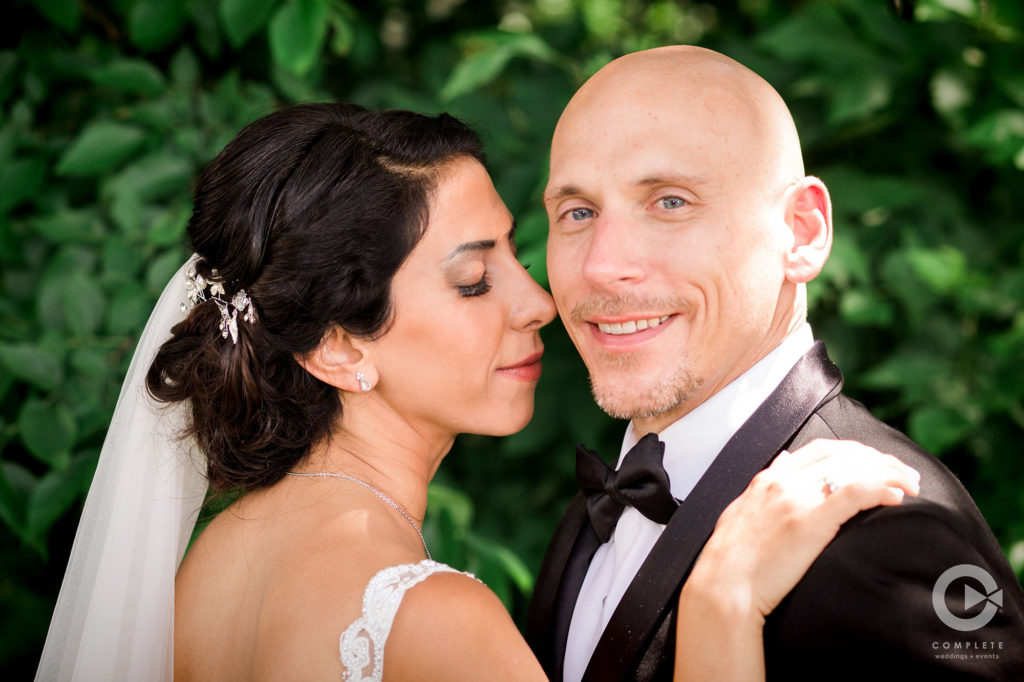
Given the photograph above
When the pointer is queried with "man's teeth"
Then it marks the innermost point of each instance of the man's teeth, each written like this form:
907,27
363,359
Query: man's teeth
632,326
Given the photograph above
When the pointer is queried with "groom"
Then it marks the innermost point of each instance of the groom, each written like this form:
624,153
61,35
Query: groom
682,232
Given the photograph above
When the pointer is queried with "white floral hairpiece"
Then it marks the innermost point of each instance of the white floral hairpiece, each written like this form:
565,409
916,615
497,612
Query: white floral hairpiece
196,290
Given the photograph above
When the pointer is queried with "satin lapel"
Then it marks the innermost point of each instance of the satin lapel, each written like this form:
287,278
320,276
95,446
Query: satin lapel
813,381
555,583
572,581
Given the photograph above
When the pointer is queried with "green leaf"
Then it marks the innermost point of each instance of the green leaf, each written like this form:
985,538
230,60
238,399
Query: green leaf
937,429
444,537
120,261
84,302
208,34
804,35
943,269
16,484
603,18
55,493
36,365
951,93
163,268
99,148
242,18
168,228
297,32
127,210
859,95
48,431
510,563
475,71
185,67
128,311
155,24
92,362
456,503
161,115
49,300
164,173
860,307
67,226
1000,133
21,180
489,54
342,35
131,76
905,369
63,13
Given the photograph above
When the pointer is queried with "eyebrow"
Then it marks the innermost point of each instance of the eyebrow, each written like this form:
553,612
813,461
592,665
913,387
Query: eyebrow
672,179
669,178
481,244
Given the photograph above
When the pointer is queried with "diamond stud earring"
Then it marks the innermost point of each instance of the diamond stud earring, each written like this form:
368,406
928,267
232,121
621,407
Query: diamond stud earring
364,385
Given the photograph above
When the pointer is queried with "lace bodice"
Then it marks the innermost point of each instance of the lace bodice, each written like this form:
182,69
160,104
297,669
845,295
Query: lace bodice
362,643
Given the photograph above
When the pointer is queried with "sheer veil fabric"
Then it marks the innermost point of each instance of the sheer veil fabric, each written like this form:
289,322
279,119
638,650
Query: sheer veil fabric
114,618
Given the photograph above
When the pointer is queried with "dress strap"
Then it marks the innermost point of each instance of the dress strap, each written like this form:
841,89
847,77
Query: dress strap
362,643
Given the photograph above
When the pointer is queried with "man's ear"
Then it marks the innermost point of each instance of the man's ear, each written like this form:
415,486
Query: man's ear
809,216
341,360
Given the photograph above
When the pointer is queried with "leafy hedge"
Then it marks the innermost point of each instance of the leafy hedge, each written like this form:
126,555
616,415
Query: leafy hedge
912,113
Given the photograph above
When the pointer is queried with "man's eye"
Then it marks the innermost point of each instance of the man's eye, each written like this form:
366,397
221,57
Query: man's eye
581,213
673,202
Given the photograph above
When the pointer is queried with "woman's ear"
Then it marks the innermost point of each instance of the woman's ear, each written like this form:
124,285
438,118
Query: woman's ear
809,216
341,360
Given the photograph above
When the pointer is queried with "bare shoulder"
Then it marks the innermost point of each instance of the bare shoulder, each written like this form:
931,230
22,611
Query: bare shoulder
453,627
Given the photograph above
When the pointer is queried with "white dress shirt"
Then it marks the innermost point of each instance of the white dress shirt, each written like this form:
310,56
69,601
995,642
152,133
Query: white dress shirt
691,445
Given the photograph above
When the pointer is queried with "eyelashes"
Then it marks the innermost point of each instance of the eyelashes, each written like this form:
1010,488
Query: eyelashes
478,289
482,287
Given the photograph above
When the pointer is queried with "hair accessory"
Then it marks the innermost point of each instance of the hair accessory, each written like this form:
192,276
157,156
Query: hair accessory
364,385
196,290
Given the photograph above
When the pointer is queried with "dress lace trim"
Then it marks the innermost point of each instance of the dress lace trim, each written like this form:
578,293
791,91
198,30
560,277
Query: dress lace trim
362,643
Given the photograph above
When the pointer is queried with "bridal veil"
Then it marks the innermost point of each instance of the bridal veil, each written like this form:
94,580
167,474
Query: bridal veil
114,618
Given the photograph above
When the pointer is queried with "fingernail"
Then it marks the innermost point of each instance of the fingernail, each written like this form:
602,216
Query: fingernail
898,491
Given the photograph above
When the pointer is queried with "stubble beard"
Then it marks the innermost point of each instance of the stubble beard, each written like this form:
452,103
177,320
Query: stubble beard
628,394
639,398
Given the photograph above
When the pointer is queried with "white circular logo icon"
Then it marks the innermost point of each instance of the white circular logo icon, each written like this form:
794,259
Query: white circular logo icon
993,597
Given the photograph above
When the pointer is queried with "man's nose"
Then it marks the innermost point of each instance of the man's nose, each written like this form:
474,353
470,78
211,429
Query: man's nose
614,253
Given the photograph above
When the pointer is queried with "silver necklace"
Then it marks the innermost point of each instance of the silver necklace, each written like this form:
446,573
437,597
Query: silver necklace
388,500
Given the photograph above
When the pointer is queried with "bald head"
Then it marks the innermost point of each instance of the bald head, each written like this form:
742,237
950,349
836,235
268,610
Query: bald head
682,228
722,103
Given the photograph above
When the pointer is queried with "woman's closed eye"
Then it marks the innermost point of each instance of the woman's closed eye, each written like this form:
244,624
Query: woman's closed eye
476,289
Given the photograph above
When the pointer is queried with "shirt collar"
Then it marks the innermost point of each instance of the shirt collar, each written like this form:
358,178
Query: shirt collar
695,439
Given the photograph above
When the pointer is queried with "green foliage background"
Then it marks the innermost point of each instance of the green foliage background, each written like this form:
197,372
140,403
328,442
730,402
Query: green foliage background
912,113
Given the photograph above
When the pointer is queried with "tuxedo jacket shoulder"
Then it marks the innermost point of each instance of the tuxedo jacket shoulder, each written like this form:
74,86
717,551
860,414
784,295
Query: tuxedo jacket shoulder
865,609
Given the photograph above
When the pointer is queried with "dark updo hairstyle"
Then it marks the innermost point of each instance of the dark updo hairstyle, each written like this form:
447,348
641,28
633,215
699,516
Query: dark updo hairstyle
311,210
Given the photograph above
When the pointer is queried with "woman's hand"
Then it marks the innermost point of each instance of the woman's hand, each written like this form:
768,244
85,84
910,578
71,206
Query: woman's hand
766,540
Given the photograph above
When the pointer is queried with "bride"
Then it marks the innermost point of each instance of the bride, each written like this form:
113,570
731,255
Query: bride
354,302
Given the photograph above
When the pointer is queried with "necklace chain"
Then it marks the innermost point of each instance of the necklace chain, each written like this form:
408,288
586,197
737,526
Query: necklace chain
388,500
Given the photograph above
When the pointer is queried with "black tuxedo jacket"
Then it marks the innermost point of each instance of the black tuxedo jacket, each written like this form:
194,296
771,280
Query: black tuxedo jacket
863,611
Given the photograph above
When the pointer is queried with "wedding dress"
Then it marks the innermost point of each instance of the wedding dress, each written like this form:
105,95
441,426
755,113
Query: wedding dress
362,643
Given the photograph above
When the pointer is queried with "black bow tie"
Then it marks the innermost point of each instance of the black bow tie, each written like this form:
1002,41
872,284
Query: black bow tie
641,482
